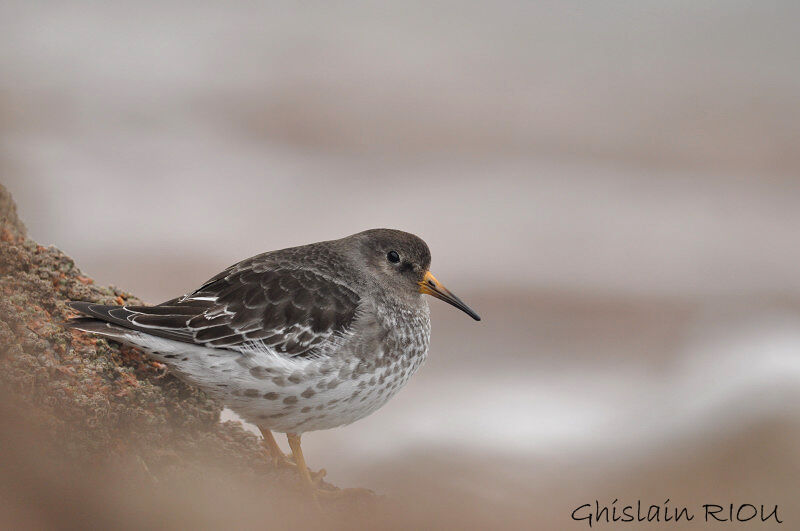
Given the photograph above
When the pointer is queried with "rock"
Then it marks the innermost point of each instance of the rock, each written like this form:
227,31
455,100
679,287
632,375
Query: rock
8,214
95,405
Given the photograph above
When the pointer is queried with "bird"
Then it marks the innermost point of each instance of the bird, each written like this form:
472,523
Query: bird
294,340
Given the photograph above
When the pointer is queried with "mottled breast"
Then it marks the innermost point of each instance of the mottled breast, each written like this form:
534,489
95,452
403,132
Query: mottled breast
304,394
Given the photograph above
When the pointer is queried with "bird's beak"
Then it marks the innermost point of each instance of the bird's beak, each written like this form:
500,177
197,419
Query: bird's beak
431,286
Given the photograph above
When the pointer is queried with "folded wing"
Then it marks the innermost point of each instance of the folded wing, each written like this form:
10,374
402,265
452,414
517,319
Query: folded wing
289,311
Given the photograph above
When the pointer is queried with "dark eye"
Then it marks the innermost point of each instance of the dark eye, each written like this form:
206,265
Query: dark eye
393,257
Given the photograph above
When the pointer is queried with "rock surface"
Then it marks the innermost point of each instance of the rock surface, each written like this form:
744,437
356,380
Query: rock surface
86,406
96,398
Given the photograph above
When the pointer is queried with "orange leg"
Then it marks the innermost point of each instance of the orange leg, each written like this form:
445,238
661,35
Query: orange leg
275,452
312,481
281,459
302,468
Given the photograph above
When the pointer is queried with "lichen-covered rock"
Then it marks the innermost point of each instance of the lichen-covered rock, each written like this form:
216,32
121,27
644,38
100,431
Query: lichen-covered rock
9,221
93,430
95,401
98,400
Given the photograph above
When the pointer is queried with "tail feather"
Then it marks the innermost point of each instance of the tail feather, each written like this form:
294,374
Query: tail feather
98,311
96,326
121,317
188,361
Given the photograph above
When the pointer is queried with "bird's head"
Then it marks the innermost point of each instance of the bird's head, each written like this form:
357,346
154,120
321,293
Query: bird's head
401,261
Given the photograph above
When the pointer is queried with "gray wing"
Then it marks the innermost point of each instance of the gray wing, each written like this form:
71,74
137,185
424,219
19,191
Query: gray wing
290,311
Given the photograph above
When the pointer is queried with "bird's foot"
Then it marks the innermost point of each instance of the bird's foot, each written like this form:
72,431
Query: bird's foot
281,460
313,481
276,455
317,477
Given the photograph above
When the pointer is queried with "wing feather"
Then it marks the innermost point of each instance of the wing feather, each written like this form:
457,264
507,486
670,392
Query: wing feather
290,311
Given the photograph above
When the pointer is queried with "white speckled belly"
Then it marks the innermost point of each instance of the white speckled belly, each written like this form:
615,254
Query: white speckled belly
296,395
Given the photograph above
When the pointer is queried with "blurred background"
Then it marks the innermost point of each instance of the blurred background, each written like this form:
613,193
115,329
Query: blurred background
613,186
